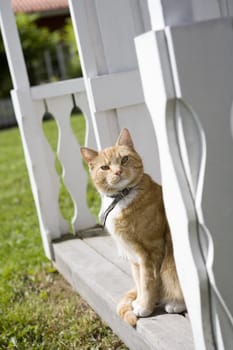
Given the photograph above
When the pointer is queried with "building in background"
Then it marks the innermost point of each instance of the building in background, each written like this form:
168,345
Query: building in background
53,13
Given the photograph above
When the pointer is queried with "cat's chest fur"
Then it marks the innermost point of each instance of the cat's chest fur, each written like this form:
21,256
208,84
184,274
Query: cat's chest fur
124,250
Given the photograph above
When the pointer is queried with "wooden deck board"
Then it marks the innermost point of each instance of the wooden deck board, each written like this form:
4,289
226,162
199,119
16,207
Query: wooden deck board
106,247
91,266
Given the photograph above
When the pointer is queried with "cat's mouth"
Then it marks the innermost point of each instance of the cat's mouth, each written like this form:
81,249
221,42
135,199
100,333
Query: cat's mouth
118,182
116,179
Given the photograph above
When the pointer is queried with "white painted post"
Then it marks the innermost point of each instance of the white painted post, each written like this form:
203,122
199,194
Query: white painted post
105,32
83,14
178,65
39,157
165,100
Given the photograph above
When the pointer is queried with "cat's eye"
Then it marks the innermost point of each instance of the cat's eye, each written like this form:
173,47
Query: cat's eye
105,167
124,160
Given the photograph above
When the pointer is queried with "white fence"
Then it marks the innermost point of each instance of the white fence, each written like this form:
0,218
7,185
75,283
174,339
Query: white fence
177,60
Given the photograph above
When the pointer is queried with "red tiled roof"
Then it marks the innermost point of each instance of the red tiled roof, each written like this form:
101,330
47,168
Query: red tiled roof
38,5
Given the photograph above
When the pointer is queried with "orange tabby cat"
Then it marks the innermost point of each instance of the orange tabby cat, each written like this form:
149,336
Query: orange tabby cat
133,213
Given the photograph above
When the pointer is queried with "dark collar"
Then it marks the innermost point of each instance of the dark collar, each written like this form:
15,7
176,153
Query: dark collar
121,194
117,197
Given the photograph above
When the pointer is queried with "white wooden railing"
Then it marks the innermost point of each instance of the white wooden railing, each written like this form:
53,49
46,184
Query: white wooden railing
30,108
105,31
29,104
111,96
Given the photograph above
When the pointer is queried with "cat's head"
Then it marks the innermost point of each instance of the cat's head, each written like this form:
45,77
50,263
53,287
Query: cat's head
114,168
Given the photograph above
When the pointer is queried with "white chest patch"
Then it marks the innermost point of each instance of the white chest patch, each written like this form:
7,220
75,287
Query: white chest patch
124,250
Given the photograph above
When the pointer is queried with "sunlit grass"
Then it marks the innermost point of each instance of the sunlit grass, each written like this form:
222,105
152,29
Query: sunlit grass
38,309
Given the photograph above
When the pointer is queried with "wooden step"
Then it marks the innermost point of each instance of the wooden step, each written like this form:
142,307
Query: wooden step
92,267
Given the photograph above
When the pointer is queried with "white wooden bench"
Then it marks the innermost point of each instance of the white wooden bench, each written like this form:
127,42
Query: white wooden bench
175,58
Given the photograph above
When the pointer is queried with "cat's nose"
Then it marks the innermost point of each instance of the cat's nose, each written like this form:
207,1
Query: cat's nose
118,172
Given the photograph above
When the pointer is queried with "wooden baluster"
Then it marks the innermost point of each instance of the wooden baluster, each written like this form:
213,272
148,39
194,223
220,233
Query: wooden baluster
74,175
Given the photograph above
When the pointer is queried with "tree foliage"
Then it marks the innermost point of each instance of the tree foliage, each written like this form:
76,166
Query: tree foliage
35,41
74,66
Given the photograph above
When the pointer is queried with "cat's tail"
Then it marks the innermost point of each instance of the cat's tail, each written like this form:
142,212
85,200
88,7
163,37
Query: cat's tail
125,310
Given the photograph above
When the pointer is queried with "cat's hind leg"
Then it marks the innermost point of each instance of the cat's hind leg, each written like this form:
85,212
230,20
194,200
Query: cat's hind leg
125,309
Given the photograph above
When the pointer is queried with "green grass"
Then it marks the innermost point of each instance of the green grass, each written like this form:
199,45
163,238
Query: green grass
38,309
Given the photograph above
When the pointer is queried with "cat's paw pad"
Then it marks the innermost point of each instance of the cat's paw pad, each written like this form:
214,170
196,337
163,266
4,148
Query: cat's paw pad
139,311
175,307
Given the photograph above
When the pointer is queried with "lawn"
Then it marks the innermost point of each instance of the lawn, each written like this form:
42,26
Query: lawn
38,309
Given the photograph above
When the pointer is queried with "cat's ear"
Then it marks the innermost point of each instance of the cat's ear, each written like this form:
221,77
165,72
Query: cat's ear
88,154
124,139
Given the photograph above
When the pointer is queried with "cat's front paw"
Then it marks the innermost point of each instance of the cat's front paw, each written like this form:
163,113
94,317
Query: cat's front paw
175,307
140,311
